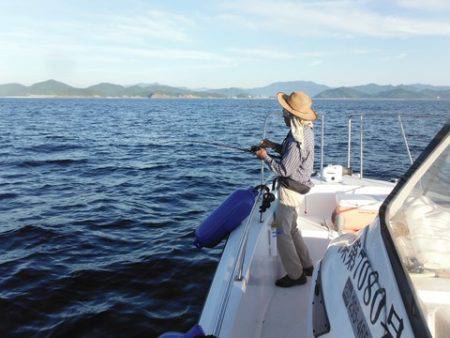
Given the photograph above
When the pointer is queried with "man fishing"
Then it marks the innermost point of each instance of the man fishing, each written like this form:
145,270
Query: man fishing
294,169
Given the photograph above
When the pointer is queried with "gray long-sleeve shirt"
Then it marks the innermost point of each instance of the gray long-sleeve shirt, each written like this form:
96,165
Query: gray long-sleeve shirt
297,160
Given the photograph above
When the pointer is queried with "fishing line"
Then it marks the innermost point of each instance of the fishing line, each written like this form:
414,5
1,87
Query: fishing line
251,150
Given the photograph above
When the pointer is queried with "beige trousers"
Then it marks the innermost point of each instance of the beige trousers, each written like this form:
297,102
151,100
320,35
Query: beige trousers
291,247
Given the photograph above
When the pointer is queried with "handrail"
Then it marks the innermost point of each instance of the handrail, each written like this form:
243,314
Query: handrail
349,144
322,128
361,154
243,243
238,265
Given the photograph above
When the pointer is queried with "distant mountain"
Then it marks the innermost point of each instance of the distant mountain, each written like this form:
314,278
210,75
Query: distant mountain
399,93
154,87
372,88
230,92
140,90
420,87
309,87
12,89
374,91
60,89
156,90
342,93
161,94
106,89
436,94
135,91
54,88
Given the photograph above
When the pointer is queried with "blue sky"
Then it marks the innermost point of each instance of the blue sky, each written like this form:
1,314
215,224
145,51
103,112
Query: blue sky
225,43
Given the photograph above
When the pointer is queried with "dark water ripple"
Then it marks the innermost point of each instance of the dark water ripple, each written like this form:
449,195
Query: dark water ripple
99,199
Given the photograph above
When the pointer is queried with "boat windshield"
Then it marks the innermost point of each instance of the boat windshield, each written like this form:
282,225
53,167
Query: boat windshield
418,219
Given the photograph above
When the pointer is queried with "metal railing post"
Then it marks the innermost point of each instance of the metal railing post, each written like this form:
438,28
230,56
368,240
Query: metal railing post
361,147
243,243
322,127
349,144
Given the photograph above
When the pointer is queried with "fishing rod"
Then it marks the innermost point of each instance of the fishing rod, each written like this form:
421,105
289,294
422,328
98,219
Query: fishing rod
252,149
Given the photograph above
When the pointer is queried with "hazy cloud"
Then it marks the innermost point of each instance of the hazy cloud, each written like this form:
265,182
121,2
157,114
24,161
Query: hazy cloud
428,5
399,56
223,43
338,18
261,53
315,63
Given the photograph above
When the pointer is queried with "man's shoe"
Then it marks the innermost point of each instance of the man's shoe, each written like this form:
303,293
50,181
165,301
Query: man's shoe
287,282
308,271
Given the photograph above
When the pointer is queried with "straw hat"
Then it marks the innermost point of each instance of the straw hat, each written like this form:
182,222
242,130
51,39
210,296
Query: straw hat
298,104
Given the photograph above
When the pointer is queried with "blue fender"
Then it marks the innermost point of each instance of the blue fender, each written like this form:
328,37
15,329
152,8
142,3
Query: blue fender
228,216
196,331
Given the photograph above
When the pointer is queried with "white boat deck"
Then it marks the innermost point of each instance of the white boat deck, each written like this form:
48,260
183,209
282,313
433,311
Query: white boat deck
255,307
285,316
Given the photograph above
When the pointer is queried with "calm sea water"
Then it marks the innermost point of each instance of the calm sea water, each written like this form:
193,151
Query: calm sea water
99,199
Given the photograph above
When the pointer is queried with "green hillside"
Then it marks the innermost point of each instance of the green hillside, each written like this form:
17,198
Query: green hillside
106,89
12,89
55,88
52,88
399,93
342,93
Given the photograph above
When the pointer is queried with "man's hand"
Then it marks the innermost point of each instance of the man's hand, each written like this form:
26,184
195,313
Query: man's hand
261,154
267,143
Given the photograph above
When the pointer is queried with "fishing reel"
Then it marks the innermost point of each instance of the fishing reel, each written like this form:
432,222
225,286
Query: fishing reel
254,149
268,198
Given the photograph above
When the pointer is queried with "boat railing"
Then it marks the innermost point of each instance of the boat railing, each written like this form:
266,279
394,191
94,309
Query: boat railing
322,138
349,143
404,139
238,270
243,244
361,146
238,266
361,143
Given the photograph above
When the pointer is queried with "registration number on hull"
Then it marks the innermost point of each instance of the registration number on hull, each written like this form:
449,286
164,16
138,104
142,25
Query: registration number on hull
354,310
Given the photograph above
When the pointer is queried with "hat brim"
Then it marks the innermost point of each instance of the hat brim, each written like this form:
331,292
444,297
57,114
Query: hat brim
307,114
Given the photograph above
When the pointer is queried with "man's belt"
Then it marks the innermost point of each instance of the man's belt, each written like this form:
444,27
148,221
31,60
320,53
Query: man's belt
290,184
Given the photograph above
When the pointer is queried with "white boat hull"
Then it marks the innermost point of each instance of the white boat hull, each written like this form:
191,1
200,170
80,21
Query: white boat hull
254,307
